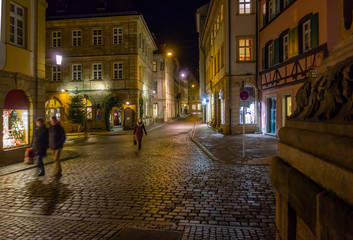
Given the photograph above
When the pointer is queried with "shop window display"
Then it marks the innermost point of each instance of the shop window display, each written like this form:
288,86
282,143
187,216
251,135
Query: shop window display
88,107
15,128
52,108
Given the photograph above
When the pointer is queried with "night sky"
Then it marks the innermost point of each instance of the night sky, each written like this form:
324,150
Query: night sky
173,22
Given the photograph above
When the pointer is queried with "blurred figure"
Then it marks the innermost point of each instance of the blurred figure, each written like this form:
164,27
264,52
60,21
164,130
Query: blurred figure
40,143
57,139
138,132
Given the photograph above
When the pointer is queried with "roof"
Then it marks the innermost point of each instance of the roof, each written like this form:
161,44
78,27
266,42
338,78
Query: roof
62,9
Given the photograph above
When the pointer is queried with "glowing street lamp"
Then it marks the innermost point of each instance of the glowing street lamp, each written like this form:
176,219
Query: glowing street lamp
59,59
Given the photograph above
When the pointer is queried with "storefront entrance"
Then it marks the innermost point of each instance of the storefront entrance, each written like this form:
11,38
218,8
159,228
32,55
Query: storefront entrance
116,118
271,115
15,119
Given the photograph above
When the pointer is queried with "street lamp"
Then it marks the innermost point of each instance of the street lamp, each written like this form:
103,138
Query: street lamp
59,59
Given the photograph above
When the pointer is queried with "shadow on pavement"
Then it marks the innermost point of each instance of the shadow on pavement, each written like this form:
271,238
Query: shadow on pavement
53,193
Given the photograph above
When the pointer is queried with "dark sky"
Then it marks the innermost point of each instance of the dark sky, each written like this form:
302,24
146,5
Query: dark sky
173,22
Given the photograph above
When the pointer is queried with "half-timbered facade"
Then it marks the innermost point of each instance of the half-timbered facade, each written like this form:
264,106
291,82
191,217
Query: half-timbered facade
294,37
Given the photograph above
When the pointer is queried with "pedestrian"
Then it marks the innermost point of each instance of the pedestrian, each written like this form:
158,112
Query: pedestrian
40,143
57,139
138,132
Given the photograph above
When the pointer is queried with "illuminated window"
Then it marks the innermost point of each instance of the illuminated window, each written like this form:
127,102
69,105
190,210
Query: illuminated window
154,66
118,36
285,47
97,71
17,25
223,107
56,39
194,107
76,72
244,6
118,71
76,38
306,36
245,49
56,73
88,107
97,37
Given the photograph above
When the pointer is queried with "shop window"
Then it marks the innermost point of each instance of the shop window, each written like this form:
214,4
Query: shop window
17,24
249,111
88,107
53,108
15,119
199,107
194,107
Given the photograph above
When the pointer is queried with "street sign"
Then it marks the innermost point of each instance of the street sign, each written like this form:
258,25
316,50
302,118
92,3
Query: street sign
244,103
244,95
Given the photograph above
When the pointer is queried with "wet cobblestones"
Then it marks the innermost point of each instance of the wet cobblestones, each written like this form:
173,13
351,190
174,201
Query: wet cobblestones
169,185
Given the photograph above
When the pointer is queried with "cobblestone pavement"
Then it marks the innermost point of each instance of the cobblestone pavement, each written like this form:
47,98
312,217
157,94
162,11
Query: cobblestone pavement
259,150
169,185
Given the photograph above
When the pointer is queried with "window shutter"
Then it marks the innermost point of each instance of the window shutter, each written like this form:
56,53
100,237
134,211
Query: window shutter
300,38
276,51
281,49
264,14
293,42
263,58
315,30
278,6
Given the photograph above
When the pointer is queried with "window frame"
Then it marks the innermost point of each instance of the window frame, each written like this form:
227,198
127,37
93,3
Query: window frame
245,47
285,47
15,26
99,71
118,36
56,40
308,32
97,37
244,3
118,70
155,66
77,72
270,54
56,73
78,38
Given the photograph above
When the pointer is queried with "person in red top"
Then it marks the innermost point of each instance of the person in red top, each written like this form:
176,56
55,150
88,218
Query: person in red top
138,132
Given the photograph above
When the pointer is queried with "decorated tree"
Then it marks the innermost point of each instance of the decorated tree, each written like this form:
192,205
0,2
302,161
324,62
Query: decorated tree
77,113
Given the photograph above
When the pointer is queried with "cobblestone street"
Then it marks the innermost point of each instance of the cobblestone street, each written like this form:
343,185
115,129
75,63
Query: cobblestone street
170,185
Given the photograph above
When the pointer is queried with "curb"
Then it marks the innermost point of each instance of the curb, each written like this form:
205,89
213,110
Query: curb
45,164
203,148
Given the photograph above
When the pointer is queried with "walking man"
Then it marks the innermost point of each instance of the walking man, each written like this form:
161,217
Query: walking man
57,139
138,132
40,143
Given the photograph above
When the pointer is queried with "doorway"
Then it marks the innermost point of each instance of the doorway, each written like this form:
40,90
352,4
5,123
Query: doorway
271,115
117,117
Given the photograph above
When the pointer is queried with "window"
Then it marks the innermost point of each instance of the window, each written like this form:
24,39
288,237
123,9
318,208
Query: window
118,36
286,2
306,36
223,107
194,107
97,37
76,38
244,6
287,108
97,71
193,97
285,47
245,49
222,57
199,107
118,71
155,84
76,72
222,13
56,73
270,54
271,8
250,110
17,25
88,107
154,66
56,39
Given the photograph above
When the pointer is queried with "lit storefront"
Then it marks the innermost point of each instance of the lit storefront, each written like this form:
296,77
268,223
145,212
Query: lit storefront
53,107
15,120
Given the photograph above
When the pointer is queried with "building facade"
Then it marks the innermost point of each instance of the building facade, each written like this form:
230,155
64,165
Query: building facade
22,74
295,36
195,106
103,55
164,88
227,40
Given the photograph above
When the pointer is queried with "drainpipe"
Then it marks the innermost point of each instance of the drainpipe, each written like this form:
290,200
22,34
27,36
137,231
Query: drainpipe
230,66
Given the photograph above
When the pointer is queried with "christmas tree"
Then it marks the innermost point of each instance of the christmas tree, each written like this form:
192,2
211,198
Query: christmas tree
76,113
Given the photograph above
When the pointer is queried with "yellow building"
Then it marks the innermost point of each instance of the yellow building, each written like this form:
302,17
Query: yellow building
22,73
104,54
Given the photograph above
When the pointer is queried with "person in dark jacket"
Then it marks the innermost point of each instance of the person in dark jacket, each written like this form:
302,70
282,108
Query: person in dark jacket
40,143
138,132
57,139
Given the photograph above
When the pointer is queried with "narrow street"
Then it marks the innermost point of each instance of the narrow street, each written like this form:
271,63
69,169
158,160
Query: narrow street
169,185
